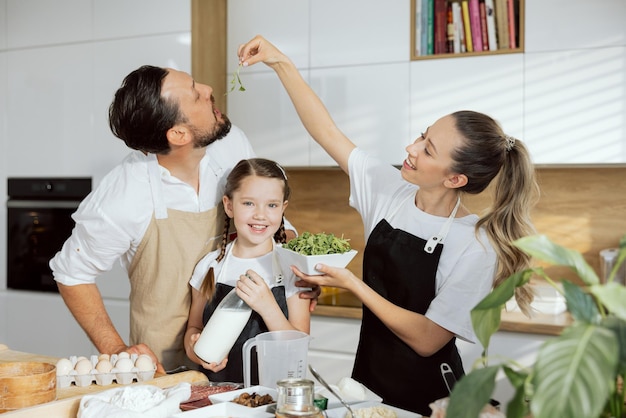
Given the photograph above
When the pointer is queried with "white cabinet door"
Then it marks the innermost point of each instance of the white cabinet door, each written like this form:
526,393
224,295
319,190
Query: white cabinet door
41,323
333,346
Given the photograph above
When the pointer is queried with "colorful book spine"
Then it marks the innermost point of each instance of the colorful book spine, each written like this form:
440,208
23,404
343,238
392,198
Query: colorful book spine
491,25
459,31
483,25
502,24
512,25
450,31
466,26
441,26
424,28
430,33
474,11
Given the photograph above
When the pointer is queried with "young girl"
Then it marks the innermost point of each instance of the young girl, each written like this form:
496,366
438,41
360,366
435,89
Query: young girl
255,198
428,261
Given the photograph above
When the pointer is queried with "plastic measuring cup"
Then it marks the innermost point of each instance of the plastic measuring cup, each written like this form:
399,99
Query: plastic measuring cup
280,354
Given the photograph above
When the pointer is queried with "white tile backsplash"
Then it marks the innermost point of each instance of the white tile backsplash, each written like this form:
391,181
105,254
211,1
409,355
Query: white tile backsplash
356,32
574,105
124,18
268,118
286,26
369,109
438,88
558,25
3,24
43,22
50,115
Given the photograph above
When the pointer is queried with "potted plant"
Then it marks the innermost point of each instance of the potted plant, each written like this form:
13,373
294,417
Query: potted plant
579,373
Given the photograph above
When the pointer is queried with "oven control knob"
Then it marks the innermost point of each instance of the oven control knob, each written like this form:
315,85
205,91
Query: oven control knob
49,187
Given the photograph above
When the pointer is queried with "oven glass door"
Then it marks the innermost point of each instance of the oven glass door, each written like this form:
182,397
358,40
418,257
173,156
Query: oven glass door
36,232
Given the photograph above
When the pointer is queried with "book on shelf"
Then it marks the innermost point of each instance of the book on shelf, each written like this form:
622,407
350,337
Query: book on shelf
491,25
458,26
459,30
511,15
441,26
502,24
430,18
466,25
450,32
474,14
483,24
418,28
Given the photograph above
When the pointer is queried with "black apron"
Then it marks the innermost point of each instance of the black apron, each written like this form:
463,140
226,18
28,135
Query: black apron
397,266
233,372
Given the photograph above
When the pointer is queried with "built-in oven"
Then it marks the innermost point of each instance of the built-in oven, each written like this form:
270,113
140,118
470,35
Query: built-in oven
38,223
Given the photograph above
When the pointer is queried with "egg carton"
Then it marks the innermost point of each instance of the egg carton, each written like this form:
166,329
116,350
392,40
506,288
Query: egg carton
116,375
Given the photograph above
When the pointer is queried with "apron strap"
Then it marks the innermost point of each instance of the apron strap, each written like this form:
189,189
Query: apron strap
443,232
154,172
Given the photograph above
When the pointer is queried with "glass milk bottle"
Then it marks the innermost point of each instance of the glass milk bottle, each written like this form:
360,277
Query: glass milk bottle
223,329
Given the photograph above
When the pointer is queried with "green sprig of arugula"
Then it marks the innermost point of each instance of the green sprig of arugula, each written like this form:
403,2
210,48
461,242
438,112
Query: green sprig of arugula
318,244
235,79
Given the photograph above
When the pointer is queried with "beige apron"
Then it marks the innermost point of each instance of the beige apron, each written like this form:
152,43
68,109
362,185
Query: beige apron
160,293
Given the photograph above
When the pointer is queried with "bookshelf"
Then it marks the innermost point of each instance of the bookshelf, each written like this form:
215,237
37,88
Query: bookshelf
441,26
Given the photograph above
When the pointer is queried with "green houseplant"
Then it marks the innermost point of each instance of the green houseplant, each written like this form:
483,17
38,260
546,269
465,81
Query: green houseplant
575,374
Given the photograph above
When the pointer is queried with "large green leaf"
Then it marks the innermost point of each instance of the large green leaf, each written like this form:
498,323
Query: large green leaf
539,246
486,315
472,392
517,406
580,304
613,296
618,326
574,373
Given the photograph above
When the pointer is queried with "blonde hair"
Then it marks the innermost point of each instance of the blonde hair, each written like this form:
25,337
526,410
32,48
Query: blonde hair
489,154
259,167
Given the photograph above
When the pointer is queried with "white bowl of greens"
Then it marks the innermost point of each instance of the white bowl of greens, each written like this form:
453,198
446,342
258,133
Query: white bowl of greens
307,250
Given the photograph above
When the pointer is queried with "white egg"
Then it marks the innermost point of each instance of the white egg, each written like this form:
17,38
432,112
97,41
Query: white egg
64,367
124,365
104,366
123,354
104,357
144,363
83,366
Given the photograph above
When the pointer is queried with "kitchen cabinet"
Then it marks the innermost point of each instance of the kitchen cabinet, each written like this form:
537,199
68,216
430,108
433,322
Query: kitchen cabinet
40,322
333,346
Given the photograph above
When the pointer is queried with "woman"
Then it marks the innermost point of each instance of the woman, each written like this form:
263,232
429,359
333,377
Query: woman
428,261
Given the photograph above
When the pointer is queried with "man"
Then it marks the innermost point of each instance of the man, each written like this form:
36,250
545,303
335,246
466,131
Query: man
158,211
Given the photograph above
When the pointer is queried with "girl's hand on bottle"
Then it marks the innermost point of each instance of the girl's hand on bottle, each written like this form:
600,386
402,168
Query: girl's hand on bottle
214,367
254,291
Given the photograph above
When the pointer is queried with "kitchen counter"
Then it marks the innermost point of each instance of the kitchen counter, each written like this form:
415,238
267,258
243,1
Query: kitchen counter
68,399
343,304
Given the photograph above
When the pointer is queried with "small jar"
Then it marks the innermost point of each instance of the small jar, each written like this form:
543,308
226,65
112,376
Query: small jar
295,399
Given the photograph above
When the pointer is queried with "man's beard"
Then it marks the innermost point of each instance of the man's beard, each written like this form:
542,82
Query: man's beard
204,139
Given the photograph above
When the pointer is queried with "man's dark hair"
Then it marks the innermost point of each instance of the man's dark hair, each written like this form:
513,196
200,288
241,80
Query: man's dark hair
139,116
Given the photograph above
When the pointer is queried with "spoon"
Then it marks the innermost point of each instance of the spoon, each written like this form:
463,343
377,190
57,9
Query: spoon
330,389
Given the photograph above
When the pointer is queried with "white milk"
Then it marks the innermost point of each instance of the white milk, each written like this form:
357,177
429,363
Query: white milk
220,333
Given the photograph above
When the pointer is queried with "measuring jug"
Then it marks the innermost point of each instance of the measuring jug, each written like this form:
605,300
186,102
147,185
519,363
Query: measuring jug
280,355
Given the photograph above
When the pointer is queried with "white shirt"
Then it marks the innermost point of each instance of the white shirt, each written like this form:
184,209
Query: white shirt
228,270
467,265
112,220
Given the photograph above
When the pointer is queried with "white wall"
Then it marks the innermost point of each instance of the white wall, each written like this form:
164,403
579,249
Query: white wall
60,64
565,96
